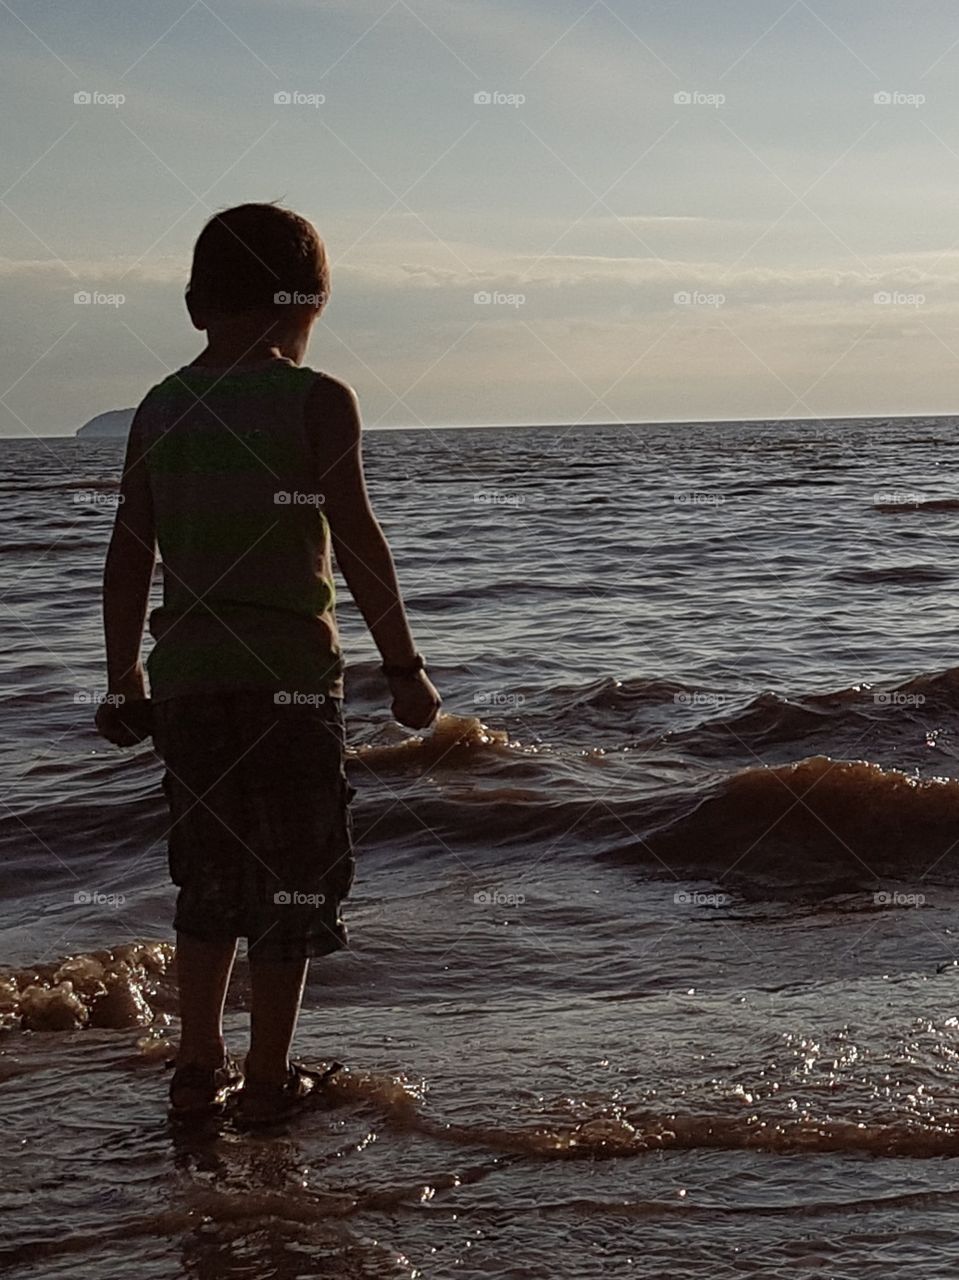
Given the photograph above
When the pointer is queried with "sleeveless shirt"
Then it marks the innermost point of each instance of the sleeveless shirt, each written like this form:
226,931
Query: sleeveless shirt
248,592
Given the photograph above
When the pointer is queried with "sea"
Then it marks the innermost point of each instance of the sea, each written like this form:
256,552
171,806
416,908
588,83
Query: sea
653,940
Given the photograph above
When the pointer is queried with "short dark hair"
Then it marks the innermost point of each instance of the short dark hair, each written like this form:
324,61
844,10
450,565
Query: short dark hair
255,256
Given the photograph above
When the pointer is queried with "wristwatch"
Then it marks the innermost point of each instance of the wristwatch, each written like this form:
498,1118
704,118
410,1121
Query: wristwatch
398,671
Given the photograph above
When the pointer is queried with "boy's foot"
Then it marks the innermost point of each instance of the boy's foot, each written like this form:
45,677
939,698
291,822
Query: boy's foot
197,1091
267,1103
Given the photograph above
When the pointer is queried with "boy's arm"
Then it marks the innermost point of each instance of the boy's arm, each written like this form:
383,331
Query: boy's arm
127,576
361,549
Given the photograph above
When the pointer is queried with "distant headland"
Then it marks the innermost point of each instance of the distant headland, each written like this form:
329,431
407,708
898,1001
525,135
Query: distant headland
112,425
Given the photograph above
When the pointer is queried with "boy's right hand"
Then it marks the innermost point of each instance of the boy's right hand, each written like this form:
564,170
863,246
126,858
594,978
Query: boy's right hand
127,723
416,702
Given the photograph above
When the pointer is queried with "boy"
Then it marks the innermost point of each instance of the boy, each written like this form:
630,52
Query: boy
245,468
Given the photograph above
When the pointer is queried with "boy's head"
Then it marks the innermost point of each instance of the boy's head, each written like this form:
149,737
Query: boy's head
257,258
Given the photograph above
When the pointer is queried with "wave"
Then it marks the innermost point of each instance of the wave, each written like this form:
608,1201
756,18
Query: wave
127,986
91,484
773,790
641,1133
615,1130
841,720
819,819
713,722
894,575
454,742
929,504
620,695
120,989
816,823
35,548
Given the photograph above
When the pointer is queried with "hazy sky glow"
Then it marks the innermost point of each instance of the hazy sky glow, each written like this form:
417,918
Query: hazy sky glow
782,243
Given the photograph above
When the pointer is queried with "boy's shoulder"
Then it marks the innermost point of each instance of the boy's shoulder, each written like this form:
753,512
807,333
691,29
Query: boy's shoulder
331,391
333,405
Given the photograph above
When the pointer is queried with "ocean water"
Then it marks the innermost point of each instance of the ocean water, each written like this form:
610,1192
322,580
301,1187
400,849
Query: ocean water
654,942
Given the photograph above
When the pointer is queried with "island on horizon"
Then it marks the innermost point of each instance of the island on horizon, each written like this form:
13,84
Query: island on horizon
112,425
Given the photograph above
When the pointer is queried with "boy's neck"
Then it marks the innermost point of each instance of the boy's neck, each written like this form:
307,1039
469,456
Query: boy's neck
229,356
252,340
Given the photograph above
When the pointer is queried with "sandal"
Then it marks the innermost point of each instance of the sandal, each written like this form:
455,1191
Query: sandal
262,1103
197,1091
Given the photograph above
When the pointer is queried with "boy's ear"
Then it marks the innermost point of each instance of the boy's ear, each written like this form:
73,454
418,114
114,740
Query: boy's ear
197,317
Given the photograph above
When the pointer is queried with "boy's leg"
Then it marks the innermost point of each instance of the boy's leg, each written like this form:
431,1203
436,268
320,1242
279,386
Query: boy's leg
277,988
203,975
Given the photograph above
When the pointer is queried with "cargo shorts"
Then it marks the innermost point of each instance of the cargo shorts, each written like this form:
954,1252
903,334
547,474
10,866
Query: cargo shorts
260,838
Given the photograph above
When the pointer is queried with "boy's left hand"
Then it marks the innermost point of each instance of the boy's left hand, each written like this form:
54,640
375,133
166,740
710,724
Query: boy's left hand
125,720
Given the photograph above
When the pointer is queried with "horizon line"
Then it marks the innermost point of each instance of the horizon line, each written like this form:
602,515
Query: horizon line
638,422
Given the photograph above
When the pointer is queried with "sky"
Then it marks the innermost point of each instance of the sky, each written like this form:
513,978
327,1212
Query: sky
536,210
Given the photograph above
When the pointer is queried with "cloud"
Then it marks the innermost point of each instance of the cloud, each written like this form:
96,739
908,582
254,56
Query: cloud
557,337
579,274
108,270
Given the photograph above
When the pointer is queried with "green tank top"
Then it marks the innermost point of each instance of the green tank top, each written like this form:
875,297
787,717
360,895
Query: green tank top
248,593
